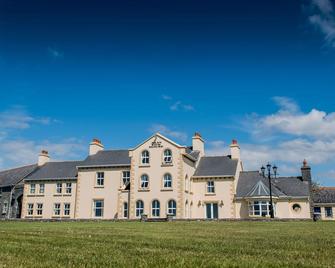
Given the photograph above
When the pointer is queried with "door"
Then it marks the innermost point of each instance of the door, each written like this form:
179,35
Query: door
212,211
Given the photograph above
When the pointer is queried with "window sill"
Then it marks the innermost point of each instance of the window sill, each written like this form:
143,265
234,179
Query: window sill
99,187
144,166
31,195
58,195
167,165
144,190
167,190
56,217
210,194
67,194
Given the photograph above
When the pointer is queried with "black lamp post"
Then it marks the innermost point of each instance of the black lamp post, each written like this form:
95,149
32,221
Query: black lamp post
269,174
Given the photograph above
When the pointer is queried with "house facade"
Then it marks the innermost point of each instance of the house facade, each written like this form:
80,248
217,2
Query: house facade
160,178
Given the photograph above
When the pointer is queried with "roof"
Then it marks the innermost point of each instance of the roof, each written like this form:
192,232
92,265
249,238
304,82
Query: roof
253,184
160,136
216,166
192,154
292,186
324,195
13,176
55,170
107,158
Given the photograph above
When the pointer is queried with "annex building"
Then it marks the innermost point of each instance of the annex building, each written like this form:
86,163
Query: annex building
157,179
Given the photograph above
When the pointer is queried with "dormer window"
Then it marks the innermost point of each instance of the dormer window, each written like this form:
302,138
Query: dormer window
145,158
167,156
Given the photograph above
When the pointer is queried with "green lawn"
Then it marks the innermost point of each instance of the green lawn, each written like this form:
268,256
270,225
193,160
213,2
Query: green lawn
175,244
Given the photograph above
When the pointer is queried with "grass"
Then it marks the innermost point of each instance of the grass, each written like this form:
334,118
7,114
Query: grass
174,244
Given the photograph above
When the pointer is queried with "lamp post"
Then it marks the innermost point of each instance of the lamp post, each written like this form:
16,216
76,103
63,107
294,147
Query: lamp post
269,174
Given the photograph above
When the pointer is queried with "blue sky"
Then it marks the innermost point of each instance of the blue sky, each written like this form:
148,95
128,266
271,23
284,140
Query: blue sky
258,71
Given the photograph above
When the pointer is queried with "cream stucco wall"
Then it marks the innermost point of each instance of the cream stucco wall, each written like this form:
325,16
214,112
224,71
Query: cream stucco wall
323,211
48,199
88,191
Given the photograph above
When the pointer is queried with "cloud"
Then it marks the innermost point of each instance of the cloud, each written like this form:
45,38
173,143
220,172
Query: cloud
18,118
323,19
55,53
164,130
178,105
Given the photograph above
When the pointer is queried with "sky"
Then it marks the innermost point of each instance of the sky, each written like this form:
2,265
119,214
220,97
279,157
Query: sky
261,72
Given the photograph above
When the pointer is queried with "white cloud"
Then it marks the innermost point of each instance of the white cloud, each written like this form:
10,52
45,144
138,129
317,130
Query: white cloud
164,130
178,105
323,18
55,53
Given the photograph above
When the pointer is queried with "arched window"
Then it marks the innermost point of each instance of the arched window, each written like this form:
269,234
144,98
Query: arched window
172,208
144,181
167,156
156,207
125,210
167,181
145,157
139,208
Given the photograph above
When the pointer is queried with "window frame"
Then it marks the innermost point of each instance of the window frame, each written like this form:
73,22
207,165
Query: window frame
125,179
139,210
167,159
101,208
68,188
100,181
67,210
4,209
125,210
172,210
210,187
167,182
30,209
32,189
57,208
59,188
260,205
41,189
39,209
155,210
147,182
145,157
327,214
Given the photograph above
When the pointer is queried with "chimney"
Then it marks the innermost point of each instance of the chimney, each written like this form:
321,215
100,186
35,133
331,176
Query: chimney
306,172
198,144
95,146
235,150
43,158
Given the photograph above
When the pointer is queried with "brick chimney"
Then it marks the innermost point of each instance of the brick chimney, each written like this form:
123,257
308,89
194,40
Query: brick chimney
95,146
198,144
307,177
235,150
43,158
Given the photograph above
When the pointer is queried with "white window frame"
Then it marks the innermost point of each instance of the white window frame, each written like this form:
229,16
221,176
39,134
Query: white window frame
5,207
32,188
125,177
68,188
57,209
125,210
210,187
167,180
30,209
167,156
95,208
172,207
67,209
331,215
155,208
41,188
145,157
139,209
261,212
144,184
39,209
100,179
59,188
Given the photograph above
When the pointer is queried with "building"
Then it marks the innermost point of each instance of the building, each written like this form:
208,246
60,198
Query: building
160,178
324,202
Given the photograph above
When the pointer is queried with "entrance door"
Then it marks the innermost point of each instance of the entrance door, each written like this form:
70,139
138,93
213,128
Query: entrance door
212,211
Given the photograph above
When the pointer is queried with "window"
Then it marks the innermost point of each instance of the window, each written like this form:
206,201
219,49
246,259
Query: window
68,188
67,207
125,210
30,209
59,188
317,210
167,156
100,179
139,208
144,181
210,187
167,181
172,208
212,211
42,188
260,208
145,158
329,212
125,178
296,208
39,209
57,209
0,192
155,208
5,207
98,208
32,188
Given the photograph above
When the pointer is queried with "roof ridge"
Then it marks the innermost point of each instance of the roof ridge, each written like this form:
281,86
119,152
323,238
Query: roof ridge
11,169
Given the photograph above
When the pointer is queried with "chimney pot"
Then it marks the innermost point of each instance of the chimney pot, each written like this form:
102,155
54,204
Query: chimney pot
234,141
95,146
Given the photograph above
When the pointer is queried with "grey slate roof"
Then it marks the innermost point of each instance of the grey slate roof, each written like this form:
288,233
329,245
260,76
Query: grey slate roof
107,158
55,170
324,195
252,184
216,166
193,154
15,175
292,186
